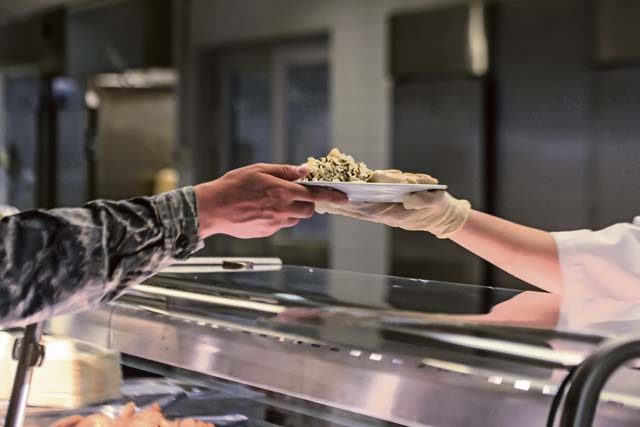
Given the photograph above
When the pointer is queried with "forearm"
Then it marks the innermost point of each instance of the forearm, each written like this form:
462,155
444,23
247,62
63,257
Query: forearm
63,260
527,253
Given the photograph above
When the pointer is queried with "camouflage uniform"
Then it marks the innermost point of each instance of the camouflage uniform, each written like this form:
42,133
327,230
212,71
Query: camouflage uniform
65,260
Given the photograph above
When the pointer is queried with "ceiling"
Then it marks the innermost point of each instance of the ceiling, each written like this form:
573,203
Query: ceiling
10,9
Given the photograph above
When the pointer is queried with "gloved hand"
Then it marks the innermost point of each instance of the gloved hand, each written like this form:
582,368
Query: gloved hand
434,211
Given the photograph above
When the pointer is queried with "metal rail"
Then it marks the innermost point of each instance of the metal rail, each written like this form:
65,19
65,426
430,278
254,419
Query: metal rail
591,376
29,353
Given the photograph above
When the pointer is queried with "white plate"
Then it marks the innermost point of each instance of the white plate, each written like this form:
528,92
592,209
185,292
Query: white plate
374,191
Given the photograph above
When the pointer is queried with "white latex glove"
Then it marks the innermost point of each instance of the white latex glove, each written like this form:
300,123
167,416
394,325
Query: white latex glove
434,211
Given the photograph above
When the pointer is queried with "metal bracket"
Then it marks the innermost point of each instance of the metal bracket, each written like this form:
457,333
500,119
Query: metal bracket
34,352
591,376
30,354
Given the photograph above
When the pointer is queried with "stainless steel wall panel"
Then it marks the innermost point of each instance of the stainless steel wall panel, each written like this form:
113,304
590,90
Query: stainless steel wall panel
616,132
543,142
543,114
439,129
415,32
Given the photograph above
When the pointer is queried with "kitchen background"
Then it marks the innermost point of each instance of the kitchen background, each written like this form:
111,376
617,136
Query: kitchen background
529,108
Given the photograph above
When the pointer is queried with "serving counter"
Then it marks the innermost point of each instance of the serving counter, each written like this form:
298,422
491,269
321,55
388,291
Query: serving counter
333,348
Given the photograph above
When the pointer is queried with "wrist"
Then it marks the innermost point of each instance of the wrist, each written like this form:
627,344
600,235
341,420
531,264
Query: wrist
207,206
454,215
177,213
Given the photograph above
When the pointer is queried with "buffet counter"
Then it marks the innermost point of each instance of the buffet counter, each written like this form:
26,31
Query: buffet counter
322,347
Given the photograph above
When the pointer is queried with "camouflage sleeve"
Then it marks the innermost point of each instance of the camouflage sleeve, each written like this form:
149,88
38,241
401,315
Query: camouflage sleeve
64,260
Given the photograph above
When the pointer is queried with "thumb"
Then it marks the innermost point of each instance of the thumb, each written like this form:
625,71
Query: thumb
287,172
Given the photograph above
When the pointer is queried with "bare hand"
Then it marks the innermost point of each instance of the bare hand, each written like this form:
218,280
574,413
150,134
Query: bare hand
258,200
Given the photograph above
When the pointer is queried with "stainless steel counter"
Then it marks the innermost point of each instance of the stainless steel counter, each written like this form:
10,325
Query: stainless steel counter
412,352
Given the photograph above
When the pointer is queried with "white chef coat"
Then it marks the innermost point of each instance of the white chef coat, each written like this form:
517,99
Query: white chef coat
604,263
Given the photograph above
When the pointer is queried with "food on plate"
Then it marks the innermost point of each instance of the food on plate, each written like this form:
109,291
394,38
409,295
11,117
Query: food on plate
340,167
337,167
129,417
395,176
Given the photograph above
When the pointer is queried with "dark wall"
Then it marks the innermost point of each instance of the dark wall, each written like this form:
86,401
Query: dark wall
615,98
559,124
567,130
542,139
22,98
542,106
438,127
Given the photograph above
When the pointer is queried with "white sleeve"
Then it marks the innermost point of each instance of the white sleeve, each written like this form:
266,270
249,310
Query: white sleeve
604,263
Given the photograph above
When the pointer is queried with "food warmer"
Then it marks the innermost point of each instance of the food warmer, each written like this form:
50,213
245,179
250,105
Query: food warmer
297,346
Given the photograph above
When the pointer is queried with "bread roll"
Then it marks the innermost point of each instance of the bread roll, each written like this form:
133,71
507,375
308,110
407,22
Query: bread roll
394,176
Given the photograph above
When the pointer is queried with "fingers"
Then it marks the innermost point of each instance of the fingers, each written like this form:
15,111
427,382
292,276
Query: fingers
289,222
301,193
306,194
282,175
286,172
300,210
422,199
323,195
387,213
329,196
346,210
330,208
323,208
